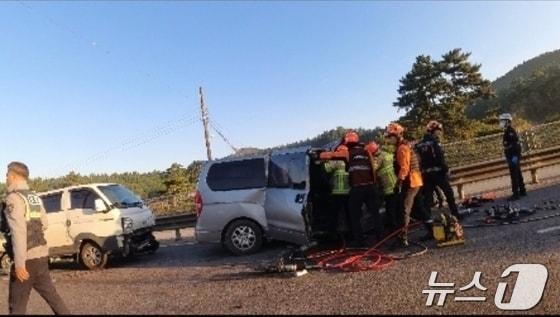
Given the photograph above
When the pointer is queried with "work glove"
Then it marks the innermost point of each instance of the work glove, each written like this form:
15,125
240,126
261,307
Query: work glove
515,160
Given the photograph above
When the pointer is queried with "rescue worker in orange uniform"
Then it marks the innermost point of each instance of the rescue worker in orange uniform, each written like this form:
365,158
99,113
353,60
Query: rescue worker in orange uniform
409,181
362,185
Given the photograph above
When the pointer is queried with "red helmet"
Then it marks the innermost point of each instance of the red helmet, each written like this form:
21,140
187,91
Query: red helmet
351,137
434,126
372,147
394,129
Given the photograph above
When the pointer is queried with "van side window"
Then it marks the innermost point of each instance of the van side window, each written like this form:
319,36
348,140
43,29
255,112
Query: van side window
237,175
288,171
82,199
52,202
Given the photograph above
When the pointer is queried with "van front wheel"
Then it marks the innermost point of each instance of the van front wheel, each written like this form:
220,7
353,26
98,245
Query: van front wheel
243,237
92,257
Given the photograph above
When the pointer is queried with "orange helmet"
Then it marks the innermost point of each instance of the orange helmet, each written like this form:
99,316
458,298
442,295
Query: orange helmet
372,147
433,126
351,137
394,129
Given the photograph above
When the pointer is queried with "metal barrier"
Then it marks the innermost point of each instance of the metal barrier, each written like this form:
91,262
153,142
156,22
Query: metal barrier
488,148
532,161
176,223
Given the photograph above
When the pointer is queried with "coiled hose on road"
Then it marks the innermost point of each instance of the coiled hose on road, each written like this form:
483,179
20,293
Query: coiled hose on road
343,259
361,259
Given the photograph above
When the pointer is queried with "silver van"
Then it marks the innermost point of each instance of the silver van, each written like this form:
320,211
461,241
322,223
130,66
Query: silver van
241,202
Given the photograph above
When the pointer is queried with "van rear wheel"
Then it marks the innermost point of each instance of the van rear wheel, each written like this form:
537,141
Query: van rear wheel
92,257
243,237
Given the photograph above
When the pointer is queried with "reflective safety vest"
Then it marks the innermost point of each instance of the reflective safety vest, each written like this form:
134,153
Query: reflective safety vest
386,172
340,183
33,211
361,172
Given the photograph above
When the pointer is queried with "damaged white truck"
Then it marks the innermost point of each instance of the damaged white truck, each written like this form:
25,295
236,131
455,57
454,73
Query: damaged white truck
90,223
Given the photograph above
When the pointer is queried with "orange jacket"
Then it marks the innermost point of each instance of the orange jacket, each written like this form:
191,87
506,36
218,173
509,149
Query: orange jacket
406,169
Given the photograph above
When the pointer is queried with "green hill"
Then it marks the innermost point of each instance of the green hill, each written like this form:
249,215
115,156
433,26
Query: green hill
526,69
320,140
530,90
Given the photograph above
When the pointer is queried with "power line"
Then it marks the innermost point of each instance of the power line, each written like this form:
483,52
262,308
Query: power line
138,140
223,137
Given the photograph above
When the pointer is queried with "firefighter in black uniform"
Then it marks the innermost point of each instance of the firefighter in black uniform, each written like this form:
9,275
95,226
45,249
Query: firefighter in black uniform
512,151
362,186
435,171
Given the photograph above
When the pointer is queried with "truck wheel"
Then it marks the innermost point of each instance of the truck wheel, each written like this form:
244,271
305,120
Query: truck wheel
5,264
92,257
243,237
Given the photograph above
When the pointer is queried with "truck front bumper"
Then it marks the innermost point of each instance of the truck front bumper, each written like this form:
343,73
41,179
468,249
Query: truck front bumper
138,242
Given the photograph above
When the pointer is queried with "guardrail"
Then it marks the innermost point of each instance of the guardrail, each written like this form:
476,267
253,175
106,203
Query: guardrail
483,149
532,161
176,223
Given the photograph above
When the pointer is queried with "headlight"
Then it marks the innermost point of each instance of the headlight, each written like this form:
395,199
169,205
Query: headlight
127,225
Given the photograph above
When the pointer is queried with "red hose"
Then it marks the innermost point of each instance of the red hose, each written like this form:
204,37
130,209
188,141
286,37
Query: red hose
356,260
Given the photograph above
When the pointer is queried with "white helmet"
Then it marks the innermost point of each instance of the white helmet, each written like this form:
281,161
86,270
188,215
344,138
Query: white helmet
505,116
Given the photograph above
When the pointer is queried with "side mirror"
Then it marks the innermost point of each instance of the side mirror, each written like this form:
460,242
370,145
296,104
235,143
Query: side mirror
100,205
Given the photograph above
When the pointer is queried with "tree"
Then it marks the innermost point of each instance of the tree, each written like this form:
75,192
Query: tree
441,90
536,98
71,179
176,180
193,171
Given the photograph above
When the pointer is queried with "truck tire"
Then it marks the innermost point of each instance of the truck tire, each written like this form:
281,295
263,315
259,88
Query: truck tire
92,257
243,237
5,264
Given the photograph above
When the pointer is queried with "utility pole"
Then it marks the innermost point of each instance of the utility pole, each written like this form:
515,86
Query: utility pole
204,114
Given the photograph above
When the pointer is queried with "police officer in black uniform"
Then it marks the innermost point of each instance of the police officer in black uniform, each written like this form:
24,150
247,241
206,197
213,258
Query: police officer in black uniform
512,151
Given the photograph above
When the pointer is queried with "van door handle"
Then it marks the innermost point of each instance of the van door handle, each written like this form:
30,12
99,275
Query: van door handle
300,198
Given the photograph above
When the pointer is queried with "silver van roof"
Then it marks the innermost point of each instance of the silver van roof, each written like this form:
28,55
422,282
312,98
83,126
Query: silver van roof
300,149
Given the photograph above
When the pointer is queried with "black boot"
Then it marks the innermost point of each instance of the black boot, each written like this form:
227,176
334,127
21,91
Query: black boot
430,232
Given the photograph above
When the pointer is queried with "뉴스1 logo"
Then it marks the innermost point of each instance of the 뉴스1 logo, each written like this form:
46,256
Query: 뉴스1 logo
527,292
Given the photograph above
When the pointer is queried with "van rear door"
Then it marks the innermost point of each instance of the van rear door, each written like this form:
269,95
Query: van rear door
286,196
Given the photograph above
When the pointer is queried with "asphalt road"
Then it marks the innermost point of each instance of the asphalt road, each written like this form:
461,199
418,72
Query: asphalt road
187,278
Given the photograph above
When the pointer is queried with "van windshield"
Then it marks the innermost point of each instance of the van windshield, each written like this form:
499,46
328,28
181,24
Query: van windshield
121,197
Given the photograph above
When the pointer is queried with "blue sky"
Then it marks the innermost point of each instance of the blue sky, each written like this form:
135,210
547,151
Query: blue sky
89,86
